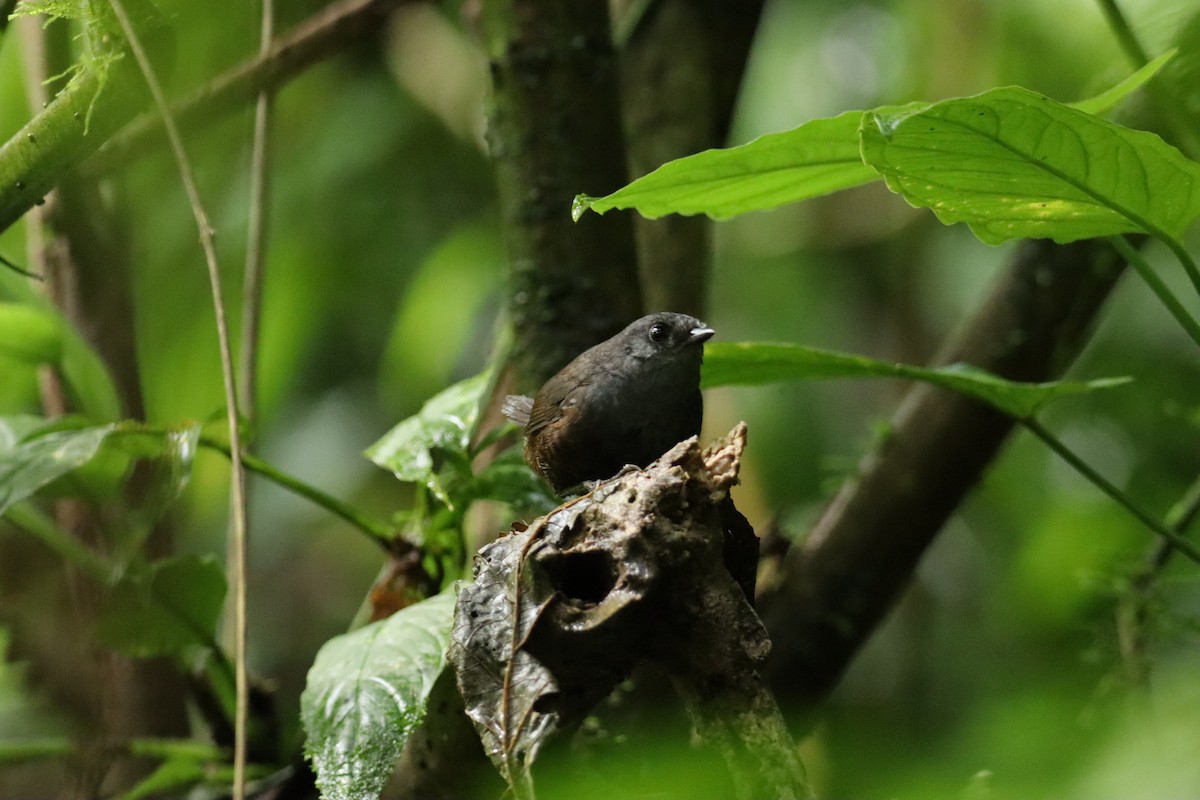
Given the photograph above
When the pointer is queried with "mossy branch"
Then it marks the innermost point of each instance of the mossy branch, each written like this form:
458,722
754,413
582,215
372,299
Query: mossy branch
61,137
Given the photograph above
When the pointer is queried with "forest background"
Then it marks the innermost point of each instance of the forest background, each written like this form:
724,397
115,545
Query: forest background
1007,668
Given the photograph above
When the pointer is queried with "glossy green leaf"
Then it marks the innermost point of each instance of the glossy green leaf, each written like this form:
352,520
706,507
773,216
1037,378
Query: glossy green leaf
164,609
754,363
443,425
366,694
509,479
29,335
817,158
29,461
164,461
1011,163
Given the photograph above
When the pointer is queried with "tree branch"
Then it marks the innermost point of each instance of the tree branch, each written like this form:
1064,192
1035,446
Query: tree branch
317,38
682,63
862,552
56,140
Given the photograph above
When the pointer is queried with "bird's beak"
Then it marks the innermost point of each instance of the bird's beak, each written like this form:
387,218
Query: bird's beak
699,335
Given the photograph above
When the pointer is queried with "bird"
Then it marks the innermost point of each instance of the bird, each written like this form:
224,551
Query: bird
624,402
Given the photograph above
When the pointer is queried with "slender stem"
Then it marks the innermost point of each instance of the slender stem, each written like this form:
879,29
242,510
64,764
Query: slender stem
1165,97
256,238
1134,606
377,529
1179,518
34,749
1185,258
31,520
237,477
1165,295
1125,37
1181,515
20,270
1104,485
321,35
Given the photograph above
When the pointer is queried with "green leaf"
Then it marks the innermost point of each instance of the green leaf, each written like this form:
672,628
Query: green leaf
1012,163
1109,99
753,363
89,378
33,335
443,425
509,479
27,463
163,460
366,694
818,158
29,335
170,776
165,609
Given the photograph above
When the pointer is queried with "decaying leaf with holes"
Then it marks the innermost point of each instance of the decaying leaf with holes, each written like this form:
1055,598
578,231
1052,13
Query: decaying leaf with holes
635,571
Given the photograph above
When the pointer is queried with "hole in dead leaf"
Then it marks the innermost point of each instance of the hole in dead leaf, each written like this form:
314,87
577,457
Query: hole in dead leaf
587,577
545,704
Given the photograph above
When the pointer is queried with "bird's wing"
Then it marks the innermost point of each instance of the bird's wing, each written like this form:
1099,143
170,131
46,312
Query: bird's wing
556,400
517,407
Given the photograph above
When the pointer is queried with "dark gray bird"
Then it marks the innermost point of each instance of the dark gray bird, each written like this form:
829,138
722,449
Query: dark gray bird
625,401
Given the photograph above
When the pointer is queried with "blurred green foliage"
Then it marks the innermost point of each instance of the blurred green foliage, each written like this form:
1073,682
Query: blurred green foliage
999,676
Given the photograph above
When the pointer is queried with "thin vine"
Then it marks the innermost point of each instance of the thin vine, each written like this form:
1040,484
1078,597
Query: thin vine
237,477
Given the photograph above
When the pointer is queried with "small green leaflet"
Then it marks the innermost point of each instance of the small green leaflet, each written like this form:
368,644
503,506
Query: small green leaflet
1011,163
444,424
756,363
1107,100
166,608
366,694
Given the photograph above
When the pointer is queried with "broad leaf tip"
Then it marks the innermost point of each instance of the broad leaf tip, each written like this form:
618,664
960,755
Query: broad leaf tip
580,204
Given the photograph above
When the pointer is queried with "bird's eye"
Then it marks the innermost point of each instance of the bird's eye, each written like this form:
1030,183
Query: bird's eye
659,332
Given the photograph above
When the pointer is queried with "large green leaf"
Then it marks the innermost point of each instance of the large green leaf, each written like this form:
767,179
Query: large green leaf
366,694
755,363
1012,163
818,158
443,425
164,609
29,462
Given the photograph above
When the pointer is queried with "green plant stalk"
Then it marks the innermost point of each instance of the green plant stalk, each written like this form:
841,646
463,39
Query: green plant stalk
1104,485
1136,54
1186,509
376,529
238,526
1124,34
1165,295
1185,258
157,748
1178,518
34,749
256,236
31,520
